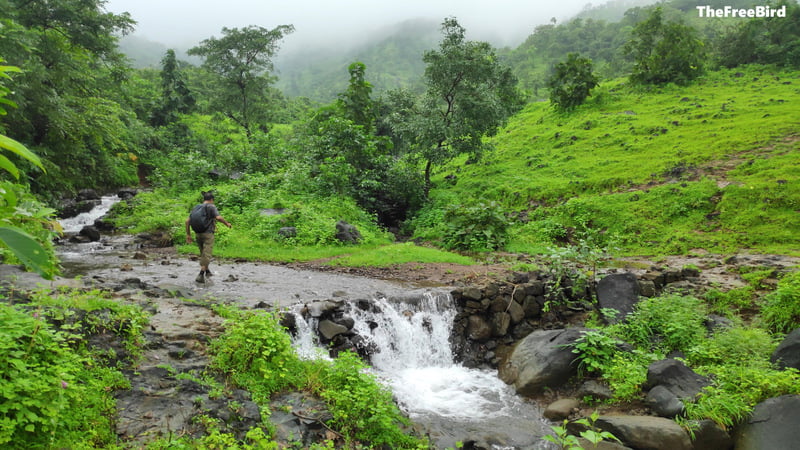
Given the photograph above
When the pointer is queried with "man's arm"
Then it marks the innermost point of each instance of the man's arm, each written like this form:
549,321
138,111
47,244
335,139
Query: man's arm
188,233
221,219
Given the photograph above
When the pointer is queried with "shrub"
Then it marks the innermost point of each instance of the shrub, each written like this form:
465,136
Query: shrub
780,310
482,227
666,323
571,82
257,353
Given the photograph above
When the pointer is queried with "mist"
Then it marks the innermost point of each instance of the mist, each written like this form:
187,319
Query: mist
341,23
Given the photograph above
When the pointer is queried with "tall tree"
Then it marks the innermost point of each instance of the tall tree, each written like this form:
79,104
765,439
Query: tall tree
175,95
664,51
242,59
469,94
70,112
356,101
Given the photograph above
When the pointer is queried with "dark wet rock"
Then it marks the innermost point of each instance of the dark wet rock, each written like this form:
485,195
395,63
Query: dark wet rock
646,432
347,233
541,360
104,225
772,425
673,375
478,329
561,409
595,389
788,352
709,436
664,403
329,329
618,291
324,308
287,232
126,193
299,419
87,194
90,232
714,323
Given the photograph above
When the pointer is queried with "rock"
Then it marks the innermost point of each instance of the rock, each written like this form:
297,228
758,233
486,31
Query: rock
672,374
87,194
90,232
500,322
709,436
619,291
104,225
788,352
646,432
596,390
561,409
478,329
542,359
472,293
330,329
664,403
347,233
287,232
126,193
772,425
323,308
602,445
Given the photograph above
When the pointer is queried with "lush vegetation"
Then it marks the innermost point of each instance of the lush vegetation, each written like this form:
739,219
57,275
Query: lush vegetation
688,141
736,358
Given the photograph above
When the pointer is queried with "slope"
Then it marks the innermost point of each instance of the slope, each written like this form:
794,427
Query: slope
712,166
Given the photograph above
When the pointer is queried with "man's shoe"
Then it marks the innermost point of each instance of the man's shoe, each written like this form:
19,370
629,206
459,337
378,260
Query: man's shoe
200,278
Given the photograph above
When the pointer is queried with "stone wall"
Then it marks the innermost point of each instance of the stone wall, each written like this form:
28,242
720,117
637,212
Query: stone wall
493,317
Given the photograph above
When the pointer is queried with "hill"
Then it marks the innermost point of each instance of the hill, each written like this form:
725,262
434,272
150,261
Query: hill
666,170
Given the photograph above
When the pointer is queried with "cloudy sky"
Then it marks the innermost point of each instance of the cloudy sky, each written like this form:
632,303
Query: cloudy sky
186,22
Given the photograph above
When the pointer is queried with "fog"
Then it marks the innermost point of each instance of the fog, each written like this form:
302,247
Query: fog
321,23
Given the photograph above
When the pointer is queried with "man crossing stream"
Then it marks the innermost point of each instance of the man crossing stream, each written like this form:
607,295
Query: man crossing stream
203,220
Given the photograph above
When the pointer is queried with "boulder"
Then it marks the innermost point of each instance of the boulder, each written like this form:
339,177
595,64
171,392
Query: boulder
664,403
542,359
619,291
87,194
347,233
710,436
330,329
90,232
126,193
678,379
788,352
287,232
561,409
646,432
772,425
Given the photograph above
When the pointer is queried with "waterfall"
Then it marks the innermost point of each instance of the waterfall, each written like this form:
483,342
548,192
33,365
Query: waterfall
414,359
74,224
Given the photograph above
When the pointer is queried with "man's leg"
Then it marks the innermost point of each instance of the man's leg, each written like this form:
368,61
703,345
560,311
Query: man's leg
206,250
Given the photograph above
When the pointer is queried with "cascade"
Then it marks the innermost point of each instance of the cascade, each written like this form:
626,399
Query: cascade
414,359
74,224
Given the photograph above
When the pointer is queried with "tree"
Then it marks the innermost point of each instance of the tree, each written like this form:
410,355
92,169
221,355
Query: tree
469,94
355,101
242,60
664,52
175,95
571,82
764,40
71,111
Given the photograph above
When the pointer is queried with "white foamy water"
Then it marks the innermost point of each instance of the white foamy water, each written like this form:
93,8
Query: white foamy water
414,359
74,224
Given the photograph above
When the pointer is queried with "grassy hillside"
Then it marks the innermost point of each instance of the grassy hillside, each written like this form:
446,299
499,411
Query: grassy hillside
712,166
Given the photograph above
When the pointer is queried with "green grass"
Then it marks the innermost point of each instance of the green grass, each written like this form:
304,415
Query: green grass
712,165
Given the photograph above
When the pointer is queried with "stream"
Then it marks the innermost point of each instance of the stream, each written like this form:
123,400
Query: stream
414,359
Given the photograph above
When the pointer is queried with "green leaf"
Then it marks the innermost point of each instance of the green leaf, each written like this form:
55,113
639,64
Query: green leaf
15,147
9,166
27,250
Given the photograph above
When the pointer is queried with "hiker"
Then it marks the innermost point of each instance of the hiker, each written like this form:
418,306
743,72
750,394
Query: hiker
203,220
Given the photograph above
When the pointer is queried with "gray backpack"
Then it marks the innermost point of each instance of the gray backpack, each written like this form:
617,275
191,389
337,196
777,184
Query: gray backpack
199,218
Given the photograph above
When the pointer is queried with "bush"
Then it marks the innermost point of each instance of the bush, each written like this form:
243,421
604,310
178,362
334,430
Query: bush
780,311
666,323
482,227
571,82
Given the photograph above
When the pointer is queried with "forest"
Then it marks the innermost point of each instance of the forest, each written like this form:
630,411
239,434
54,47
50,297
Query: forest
629,130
